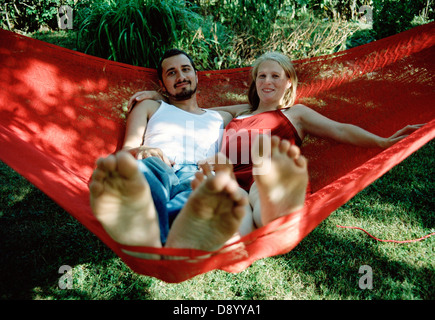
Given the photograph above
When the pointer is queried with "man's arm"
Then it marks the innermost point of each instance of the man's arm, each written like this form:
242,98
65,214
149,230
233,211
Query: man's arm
136,124
135,131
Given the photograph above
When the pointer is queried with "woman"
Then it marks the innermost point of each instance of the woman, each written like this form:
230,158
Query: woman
271,97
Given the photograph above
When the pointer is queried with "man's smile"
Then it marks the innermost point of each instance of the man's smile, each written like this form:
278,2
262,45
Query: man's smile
182,84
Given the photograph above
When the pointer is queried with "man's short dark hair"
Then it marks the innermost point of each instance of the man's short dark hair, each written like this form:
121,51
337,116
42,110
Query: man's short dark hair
170,53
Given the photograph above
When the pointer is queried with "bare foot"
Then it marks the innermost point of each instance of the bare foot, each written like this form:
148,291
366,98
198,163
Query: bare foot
121,200
212,214
281,178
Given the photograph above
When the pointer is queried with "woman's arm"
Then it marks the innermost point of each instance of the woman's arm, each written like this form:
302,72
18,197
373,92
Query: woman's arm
227,112
312,122
234,110
144,95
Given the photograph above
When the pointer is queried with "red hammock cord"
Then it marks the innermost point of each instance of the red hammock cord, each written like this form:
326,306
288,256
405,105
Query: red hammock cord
394,241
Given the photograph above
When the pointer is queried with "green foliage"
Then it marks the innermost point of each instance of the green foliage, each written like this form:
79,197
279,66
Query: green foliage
255,17
220,34
393,16
209,42
139,31
29,15
343,9
135,31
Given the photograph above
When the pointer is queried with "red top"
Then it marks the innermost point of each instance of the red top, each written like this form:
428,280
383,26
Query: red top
240,133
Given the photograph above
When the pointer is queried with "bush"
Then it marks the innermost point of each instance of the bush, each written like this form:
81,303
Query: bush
337,9
219,34
394,16
135,31
209,42
139,31
30,15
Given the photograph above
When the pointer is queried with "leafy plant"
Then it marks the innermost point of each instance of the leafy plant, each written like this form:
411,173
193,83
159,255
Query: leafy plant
135,31
30,15
394,16
139,31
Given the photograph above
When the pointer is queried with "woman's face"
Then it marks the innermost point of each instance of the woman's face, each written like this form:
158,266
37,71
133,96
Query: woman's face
272,83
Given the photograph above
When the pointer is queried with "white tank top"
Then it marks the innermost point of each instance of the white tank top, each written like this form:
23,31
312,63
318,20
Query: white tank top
184,137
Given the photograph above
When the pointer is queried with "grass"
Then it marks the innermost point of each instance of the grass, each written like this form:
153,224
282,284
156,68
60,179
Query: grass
38,237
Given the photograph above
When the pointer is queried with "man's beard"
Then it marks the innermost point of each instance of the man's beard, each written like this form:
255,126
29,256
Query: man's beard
186,94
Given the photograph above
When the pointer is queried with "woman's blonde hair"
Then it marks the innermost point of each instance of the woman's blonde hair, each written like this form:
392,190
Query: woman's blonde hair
287,65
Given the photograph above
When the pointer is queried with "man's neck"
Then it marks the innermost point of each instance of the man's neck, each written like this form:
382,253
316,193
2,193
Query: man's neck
189,105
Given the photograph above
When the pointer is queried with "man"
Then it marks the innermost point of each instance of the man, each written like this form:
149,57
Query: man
169,139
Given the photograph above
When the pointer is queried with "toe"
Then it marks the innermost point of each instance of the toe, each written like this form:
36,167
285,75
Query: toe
274,141
294,152
301,162
206,169
96,188
199,178
126,164
107,164
284,146
98,175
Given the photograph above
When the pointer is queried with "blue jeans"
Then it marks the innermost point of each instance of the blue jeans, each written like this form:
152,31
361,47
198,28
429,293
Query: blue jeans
170,188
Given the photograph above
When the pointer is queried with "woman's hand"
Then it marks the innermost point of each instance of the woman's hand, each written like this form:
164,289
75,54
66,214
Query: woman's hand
400,134
143,95
218,162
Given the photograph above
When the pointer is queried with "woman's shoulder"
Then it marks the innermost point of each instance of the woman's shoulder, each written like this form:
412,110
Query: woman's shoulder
296,109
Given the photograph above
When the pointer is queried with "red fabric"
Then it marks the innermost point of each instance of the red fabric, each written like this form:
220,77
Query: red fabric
240,134
60,110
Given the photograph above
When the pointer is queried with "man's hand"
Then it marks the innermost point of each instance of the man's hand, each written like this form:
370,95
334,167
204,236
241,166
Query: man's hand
143,95
146,152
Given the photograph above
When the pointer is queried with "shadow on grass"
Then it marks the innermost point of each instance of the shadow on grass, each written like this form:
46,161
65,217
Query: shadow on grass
411,186
38,237
334,263
400,271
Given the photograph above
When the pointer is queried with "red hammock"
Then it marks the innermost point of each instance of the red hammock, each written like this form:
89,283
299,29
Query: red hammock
61,110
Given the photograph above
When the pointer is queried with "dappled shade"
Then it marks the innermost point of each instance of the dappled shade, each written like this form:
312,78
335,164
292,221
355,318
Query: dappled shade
60,110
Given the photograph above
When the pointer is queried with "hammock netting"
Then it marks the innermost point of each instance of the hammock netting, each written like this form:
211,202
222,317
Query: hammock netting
61,110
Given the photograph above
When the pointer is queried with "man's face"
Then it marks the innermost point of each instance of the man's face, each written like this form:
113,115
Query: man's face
179,77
